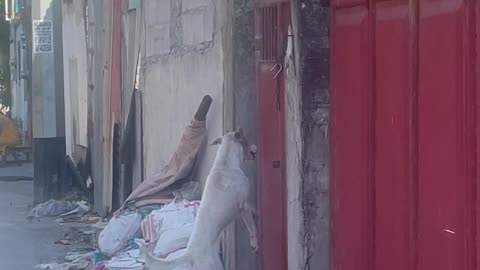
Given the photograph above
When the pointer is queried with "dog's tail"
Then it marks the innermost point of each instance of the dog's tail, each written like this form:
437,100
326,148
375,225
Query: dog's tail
153,262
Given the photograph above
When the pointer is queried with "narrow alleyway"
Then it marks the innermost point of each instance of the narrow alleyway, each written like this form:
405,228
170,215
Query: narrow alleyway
25,243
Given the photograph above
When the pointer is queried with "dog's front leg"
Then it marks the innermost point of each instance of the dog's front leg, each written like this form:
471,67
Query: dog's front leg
247,217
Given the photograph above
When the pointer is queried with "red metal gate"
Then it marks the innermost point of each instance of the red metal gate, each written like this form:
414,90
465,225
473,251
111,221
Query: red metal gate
404,137
271,21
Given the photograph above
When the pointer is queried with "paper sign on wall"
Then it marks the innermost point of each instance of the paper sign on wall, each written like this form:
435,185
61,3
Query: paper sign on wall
42,36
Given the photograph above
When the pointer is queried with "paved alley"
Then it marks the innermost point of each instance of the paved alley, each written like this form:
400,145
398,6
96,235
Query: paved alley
25,243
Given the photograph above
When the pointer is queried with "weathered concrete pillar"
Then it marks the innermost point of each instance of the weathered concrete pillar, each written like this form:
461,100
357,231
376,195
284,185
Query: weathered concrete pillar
47,99
307,117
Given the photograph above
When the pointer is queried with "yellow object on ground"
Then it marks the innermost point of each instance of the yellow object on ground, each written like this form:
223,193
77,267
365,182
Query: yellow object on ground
8,133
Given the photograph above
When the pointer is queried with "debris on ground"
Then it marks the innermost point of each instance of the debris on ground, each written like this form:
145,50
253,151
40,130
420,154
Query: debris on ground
75,195
78,256
79,237
54,208
75,265
63,242
88,232
157,212
82,209
128,260
98,258
91,220
167,229
53,266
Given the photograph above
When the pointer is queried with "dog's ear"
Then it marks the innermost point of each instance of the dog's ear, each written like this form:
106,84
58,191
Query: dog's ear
217,141
239,134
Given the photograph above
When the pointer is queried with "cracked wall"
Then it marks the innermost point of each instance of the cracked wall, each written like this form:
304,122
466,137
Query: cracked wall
183,60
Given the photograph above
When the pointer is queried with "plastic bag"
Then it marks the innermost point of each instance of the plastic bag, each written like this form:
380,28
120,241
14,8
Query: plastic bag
52,208
115,236
170,227
174,239
175,215
169,217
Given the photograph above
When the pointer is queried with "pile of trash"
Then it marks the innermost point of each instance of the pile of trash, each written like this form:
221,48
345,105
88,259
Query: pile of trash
55,208
66,211
80,234
166,227
161,210
73,261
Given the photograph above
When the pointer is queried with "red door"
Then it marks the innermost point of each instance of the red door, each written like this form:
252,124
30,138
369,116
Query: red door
404,135
270,26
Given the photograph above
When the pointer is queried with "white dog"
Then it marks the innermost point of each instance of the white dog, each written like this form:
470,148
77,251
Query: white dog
224,199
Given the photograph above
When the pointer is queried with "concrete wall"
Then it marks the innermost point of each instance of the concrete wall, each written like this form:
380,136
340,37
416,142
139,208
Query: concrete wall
182,61
307,99
75,74
193,48
294,149
315,96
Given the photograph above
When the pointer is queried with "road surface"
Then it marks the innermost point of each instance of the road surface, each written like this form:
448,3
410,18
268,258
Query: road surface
24,243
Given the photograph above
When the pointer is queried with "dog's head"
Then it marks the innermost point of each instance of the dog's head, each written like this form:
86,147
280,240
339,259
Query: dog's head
249,150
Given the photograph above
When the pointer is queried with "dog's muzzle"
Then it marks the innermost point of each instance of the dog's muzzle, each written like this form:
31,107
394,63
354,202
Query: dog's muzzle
253,151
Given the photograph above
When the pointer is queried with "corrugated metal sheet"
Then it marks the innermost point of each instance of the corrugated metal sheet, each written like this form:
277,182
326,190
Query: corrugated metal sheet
404,137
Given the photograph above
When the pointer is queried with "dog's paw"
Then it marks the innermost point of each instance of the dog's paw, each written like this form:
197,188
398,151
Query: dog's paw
254,243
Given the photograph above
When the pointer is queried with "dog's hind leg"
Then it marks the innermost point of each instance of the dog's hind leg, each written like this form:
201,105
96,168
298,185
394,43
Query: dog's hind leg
247,217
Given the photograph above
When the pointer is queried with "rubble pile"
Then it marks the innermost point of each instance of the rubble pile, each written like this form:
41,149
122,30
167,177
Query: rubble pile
112,245
160,211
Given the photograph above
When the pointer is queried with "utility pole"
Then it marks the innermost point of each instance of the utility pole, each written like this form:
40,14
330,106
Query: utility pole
48,106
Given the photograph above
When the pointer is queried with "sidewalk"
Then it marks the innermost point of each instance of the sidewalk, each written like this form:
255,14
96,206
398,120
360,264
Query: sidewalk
24,243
